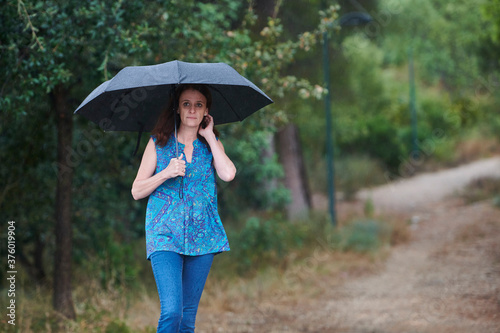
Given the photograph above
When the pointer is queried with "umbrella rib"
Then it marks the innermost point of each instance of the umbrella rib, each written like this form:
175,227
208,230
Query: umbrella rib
227,102
178,72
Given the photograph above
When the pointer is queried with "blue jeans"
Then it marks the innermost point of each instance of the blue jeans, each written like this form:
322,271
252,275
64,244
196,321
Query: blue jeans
180,281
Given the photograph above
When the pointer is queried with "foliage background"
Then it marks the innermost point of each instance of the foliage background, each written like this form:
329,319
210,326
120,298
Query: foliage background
77,45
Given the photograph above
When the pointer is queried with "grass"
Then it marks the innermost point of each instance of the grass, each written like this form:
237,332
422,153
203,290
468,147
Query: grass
98,310
304,279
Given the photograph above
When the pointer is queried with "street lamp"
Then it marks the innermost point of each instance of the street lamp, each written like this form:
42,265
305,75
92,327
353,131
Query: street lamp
349,19
413,109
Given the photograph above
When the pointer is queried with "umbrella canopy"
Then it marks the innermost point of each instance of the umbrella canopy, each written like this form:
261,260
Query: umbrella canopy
134,98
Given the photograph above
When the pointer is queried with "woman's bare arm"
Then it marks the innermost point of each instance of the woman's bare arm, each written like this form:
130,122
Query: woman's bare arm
146,181
223,165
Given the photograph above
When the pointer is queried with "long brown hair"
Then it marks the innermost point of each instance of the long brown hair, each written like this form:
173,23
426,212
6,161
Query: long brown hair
169,117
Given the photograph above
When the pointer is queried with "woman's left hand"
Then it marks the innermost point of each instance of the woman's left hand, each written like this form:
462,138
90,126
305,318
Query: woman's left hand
209,128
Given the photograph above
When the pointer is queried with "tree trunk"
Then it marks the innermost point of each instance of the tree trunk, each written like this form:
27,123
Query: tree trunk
62,298
265,9
267,155
291,158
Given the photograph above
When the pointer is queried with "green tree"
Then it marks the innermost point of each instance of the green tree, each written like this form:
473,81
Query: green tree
445,38
491,11
48,49
370,83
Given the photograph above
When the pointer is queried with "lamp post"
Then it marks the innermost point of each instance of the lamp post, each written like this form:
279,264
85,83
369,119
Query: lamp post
413,109
349,19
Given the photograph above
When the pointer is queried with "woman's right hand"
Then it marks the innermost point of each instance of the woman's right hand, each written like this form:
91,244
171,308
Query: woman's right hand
176,167
146,180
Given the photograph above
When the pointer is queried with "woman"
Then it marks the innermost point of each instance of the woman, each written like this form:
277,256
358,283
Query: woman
183,227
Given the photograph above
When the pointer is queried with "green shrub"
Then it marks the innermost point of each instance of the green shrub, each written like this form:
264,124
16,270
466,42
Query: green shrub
266,241
46,322
119,263
369,208
363,236
262,243
496,201
356,172
117,327
378,138
259,243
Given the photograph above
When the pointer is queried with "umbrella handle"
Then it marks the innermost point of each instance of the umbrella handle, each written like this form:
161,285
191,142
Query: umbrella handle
176,141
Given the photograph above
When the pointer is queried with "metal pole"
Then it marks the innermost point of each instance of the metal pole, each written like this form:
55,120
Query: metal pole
350,19
329,143
413,109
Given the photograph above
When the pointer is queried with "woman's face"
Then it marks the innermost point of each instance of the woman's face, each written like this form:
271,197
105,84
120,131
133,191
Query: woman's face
192,107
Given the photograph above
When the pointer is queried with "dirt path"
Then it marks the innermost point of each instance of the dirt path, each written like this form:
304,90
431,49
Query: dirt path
446,279
416,193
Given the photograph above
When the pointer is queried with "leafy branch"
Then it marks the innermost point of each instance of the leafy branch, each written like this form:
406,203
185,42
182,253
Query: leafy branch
21,9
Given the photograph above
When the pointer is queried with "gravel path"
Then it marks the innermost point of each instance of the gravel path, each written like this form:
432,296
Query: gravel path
445,279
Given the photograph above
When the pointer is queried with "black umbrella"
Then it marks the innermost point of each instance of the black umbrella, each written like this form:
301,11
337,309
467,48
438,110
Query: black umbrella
135,97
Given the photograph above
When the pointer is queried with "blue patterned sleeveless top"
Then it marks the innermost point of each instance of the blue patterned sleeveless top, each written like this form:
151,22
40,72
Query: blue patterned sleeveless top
189,225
